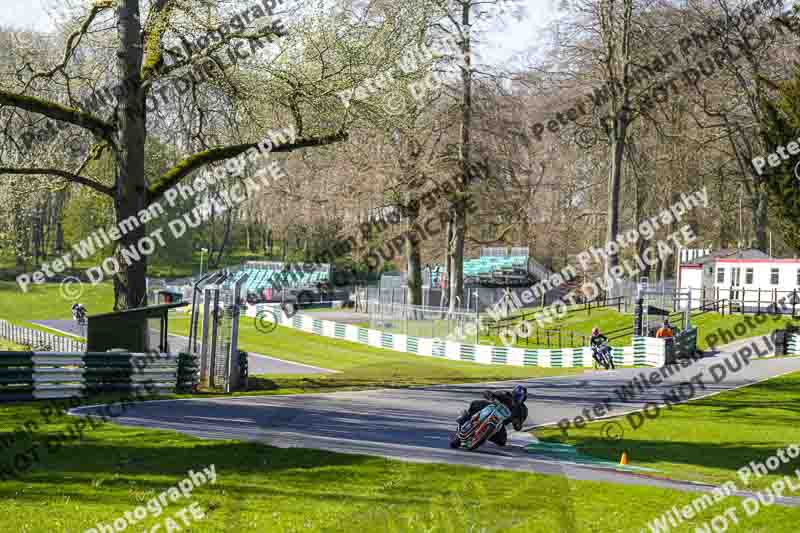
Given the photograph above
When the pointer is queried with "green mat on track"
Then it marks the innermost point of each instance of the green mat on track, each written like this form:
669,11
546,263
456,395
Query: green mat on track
565,452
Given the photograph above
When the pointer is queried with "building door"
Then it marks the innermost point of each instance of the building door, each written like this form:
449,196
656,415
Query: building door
735,283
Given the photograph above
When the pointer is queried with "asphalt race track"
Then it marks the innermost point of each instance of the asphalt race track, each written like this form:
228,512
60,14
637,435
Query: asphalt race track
414,424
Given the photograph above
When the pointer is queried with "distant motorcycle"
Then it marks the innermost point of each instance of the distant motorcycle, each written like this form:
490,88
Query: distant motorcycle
602,355
79,314
474,432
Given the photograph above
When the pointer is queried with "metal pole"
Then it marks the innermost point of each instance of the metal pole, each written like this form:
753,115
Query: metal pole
477,320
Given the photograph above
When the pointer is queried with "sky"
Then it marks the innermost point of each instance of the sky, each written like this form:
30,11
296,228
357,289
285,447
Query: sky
503,44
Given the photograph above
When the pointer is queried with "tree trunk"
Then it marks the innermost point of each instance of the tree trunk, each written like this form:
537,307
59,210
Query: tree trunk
447,261
616,33
760,216
458,209
224,244
414,265
641,242
724,228
457,257
58,244
129,282
614,182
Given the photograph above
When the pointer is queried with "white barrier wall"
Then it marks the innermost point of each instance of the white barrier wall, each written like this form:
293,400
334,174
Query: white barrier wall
644,351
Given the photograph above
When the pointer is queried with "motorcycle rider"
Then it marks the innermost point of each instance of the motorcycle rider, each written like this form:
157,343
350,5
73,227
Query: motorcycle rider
78,312
598,339
598,342
514,400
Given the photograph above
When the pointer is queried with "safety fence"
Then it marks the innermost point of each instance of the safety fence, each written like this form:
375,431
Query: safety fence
366,298
643,351
769,301
663,294
525,326
39,340
41,375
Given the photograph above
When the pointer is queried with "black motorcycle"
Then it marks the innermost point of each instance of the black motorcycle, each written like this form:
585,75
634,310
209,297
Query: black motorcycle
602,356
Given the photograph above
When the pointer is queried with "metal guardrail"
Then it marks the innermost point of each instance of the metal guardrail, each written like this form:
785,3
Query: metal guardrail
40,339
42,375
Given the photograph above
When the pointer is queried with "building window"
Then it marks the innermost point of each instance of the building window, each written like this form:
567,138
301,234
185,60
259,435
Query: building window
798,277
748,276
774,278
720,275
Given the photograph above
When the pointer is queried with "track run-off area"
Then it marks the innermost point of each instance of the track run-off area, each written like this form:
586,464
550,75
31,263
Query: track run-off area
413,424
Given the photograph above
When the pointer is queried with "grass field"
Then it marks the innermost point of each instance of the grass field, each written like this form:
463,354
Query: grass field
9,346
154,269
360,365
581,321
260,488
114,469
47,302
705,440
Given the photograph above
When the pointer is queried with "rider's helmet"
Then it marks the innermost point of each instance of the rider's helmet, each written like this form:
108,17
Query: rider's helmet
519,394
595,332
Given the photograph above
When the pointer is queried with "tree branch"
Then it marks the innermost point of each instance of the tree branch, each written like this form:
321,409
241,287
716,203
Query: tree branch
73,41
69,176
58,112
174,175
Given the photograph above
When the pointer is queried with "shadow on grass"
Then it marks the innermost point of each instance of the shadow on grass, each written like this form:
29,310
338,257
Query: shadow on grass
729,457
108,469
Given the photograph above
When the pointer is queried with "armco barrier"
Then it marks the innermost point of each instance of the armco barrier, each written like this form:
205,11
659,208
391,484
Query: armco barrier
40,375
644,351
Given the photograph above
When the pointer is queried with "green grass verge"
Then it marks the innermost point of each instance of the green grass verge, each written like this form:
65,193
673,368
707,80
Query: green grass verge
359,366
581,321
6,346
704,440
47,302
154,269
114,469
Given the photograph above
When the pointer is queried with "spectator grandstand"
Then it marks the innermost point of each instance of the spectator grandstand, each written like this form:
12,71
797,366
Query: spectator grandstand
494,268
269,280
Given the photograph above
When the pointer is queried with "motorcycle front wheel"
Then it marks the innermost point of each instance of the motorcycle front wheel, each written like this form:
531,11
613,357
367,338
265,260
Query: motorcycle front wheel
480,436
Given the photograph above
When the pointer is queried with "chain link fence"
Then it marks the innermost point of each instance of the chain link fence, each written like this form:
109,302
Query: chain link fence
475,298
424,321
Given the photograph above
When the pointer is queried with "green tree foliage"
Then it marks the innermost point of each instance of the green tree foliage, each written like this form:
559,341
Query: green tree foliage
783,127
85,212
